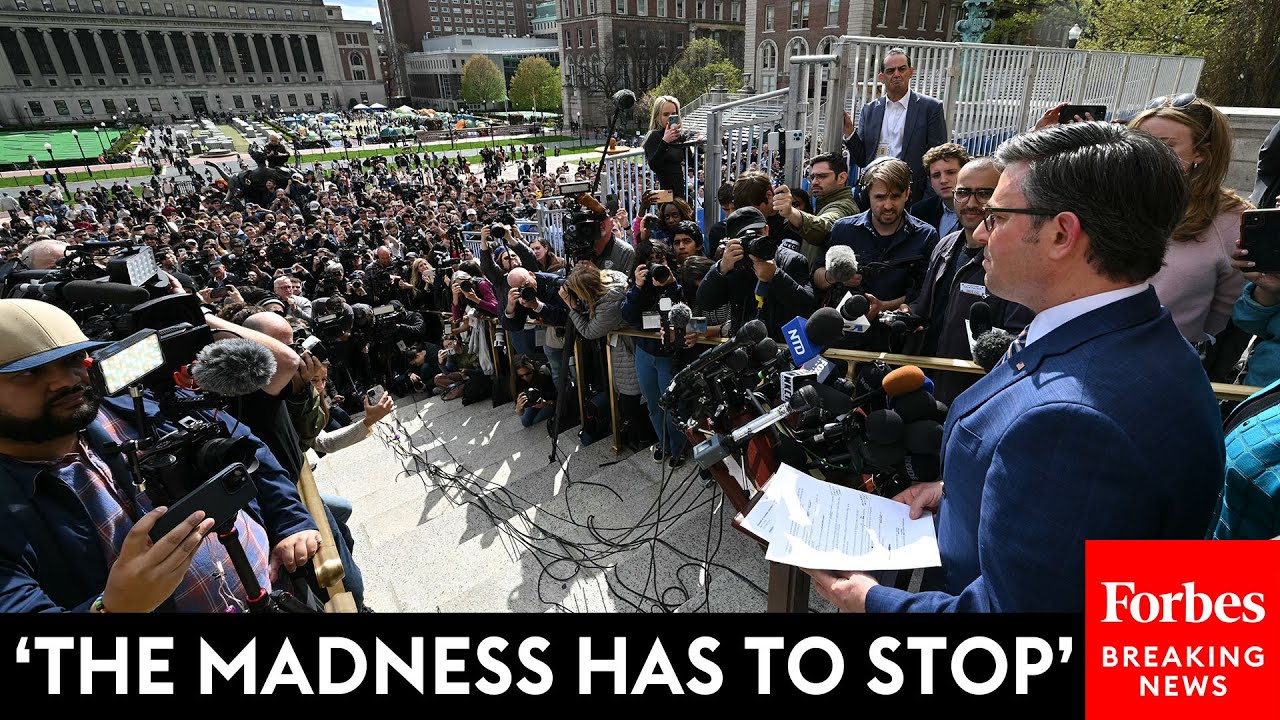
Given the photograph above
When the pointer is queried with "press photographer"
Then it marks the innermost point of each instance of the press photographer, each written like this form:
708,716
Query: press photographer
536,296
536,391
89,550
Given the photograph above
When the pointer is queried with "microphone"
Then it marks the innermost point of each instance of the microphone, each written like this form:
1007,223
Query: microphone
233,367
765,351
624,99
904,380
679,318
853,309
979,319
803,399
824,327
88,292
989,348
923,467
842,264
749,334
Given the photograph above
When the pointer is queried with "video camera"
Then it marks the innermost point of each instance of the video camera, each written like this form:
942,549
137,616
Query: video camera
584,224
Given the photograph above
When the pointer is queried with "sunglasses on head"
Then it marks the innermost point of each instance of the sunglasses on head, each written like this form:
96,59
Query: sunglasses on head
1177,101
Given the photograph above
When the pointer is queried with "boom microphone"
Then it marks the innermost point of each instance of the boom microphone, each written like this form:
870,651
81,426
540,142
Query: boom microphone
234,367
842,264
624,99
88,292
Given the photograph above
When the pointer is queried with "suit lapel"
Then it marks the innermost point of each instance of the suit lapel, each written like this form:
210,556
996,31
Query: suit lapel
1120,315
875,122
909,123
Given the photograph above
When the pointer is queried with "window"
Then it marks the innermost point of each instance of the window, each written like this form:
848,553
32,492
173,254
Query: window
768,56
86,107
679,8
48,5
168,9
924,14
701,12
357,67
271,13
324,99
735,11
306,15
833,13
257,101
884,12
906,8
275,100
642,7
799,14
662,8
309,98
238,101
768,19
155,104
108,106
97,7
20,4
191,10
622,7
146,8
720,9
288,15
797,46
293,100
679,41
593,37
36,109
942,18
61,107
233,11
73,6
253,13
579,37
622,37
122,8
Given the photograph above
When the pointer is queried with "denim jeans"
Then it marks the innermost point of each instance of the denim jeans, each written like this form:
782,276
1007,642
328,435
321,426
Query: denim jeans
532,416
338,510
522,342
556,358
654,374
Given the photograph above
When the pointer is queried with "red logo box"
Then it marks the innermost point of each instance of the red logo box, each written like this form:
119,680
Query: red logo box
1181,628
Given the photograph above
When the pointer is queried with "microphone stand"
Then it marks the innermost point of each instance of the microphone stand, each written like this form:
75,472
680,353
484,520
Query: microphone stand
571,330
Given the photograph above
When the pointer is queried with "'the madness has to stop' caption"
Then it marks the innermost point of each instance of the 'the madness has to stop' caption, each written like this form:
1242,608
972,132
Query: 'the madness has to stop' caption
533,665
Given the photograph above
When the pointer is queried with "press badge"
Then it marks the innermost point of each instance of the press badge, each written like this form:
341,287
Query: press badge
651,321
972,289
882,150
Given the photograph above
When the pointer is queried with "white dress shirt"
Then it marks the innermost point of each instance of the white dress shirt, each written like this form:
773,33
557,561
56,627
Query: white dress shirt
1049,320
893,128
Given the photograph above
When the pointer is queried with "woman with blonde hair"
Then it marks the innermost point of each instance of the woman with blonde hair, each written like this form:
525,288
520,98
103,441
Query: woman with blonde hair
1198,282
664,150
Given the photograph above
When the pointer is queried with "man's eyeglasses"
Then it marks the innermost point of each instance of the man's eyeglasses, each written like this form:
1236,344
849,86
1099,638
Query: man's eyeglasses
1178,101
989,217
961,193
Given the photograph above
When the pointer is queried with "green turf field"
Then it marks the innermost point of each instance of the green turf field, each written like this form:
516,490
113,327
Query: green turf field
15,145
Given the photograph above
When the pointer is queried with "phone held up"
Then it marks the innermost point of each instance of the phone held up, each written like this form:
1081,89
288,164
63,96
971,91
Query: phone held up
1260,235
1069,113
374,394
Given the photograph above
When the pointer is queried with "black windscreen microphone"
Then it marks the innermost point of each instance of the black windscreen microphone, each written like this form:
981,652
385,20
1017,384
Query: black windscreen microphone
979,319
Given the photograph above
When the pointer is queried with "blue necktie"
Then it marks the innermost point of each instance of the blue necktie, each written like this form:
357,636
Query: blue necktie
1016,346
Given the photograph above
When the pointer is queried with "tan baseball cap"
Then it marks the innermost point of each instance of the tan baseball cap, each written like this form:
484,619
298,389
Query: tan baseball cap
33,333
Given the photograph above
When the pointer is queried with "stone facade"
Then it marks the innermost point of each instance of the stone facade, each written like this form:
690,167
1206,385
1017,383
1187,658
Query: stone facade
84,61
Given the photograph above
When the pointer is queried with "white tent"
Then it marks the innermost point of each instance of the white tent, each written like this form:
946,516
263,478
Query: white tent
360,106
377,106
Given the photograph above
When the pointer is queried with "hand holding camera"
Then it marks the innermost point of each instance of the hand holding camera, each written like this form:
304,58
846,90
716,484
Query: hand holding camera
529,297
733,254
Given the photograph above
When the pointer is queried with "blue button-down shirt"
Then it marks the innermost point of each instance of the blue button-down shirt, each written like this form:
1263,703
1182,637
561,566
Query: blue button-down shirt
914,238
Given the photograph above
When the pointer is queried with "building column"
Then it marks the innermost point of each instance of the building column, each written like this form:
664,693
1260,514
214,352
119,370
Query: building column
306,58
74,38
151,55
134,79
102,53
64,78
271,52
217,57
253,53
173,54
195,57
26,52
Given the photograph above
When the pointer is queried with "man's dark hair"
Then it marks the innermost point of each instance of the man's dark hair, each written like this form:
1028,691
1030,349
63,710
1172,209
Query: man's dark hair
837,163
751,189
725,194
1078,168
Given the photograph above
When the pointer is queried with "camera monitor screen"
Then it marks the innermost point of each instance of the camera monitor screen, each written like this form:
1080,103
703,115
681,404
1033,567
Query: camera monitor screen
128,361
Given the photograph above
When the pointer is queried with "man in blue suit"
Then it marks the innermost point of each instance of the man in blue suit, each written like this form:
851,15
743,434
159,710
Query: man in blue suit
1100,422
901,123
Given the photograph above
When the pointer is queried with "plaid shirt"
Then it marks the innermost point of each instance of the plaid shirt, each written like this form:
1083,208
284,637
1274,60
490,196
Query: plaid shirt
114,513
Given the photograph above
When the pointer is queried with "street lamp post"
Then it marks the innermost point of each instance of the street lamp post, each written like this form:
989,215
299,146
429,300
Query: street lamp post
49,149
1073,35
579,129
75,134
97,131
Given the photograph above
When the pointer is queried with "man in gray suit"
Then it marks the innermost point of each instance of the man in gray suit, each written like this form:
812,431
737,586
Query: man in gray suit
901,123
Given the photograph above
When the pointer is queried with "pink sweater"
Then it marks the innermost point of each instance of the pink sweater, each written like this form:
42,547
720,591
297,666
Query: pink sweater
1198,283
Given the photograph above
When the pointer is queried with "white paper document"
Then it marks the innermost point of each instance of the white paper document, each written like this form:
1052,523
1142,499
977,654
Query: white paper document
815,524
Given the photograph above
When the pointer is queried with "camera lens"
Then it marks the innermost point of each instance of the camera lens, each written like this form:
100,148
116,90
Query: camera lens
533,396
659,273
528,294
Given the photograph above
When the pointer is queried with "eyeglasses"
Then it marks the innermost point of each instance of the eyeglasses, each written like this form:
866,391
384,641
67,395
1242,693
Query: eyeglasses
961,194
989,217
1178,101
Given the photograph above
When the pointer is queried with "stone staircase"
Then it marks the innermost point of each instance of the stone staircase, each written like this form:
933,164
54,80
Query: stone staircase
595,532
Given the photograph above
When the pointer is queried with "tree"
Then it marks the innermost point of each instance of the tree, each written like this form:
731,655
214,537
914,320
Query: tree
1167,27
695,72
482,82
1242,66
1036,22
536,85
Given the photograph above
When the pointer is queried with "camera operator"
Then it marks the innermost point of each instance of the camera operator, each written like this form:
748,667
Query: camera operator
43,254
381,282
608,252
655,359
775,290
535,400
70,504
422,365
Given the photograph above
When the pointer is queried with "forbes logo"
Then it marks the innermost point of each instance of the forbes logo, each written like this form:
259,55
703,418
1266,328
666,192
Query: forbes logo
1188,606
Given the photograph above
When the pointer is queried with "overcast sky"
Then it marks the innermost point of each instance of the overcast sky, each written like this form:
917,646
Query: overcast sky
360,10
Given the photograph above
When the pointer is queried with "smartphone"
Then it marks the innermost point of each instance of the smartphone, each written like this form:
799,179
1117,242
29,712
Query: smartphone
219,293
673,121
220,497
1260,235
700,324
374,394
662,196
1069,112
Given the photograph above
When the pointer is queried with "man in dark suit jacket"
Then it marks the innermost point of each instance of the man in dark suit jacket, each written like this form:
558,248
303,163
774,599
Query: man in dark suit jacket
901,123
1100,422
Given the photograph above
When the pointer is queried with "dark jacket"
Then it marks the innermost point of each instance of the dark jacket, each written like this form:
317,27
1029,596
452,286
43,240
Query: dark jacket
640,300
50,553
667,163
788,295
553,311
967,287
924,127
913,239
1268,185
929,210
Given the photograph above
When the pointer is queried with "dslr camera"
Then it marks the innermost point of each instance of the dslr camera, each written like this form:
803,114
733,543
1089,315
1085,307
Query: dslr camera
533,396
